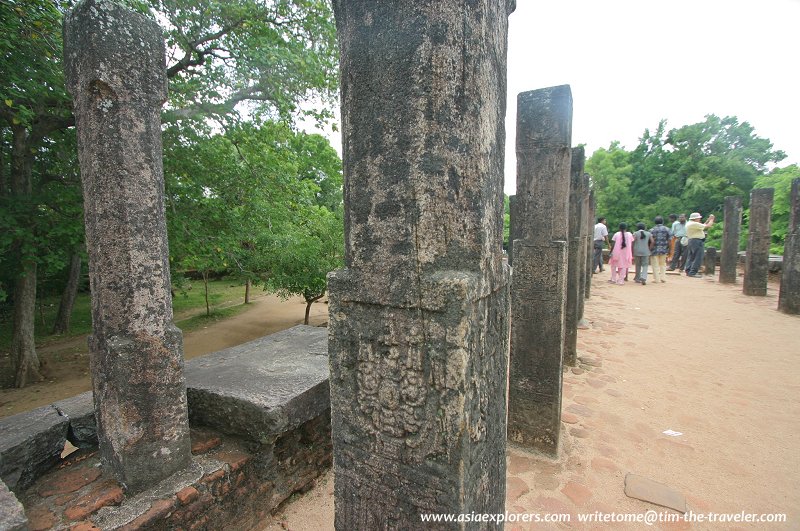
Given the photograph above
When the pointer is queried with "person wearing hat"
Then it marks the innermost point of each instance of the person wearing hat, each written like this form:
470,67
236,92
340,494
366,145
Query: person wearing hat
695,232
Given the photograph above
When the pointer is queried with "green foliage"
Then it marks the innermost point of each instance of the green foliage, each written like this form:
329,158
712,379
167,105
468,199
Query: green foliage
691,168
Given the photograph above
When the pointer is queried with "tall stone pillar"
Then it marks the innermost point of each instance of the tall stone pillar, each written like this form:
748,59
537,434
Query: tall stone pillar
584,249
418,333
710,261
538,293
756,266
592,215
114,61
789,296
574,257
729,258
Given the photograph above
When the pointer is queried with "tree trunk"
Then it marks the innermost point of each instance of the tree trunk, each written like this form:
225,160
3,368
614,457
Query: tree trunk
205,282
310,299
24,361
247,291
61,326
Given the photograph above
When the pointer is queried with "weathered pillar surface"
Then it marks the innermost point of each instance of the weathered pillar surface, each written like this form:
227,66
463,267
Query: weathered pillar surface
418,332
729,257
756,266
574,257
789,296
710,261
584,243
538,294
115,72
591,216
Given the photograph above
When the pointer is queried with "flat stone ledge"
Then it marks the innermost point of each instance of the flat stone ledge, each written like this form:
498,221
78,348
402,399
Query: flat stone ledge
263,388
30,444
12,514
79,411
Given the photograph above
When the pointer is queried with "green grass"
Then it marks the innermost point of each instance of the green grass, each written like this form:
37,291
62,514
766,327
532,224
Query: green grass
189,305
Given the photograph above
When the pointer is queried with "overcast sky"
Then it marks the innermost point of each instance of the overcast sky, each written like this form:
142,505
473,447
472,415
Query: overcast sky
631,63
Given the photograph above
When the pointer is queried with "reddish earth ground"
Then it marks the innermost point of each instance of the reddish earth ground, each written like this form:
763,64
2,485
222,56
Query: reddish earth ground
689,355
67,362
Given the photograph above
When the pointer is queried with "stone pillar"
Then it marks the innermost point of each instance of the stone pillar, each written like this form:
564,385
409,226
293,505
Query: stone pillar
756,266
710,261
114,61
418,333
592,216
574,257
584,243
538,294
789,296
512,214
729,258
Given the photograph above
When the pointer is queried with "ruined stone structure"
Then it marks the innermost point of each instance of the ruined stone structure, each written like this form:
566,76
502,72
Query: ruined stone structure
115,72
544,136
512,234
419,315
586,240
591,217
789,296
729,257
756,270
710,261
574,257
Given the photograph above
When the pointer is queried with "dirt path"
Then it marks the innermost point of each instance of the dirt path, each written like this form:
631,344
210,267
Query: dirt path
689,355
67,362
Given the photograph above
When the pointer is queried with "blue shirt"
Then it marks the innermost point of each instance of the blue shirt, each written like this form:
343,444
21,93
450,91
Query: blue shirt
661,239
679,229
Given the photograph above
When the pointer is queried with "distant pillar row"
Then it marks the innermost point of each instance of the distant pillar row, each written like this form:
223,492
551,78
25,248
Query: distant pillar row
584,249
756,271
592,216
574,257
729,259
538,292
789,296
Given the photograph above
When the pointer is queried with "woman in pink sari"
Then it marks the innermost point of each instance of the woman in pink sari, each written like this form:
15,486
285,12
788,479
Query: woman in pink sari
621,255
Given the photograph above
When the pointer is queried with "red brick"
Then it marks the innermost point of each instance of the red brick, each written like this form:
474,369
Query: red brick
579,494
214,476
40,518
158,511
604,465
234,458
203,441
569,418
101,494
65,499
68,480
187,495
199,523
516,488
86,525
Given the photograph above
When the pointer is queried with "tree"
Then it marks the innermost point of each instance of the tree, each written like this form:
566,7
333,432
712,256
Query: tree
610,170
276,57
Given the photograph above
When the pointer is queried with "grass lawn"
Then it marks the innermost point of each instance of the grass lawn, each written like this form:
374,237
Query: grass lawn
225,297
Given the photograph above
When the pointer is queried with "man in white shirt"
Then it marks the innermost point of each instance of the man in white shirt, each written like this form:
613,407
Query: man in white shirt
600,243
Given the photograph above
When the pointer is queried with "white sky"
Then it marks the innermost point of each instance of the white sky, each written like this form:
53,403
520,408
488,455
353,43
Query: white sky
631,63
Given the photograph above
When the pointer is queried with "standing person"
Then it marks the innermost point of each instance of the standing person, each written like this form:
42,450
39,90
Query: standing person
621,255
672,219
680,250
661,241
642,243
695,231
600,243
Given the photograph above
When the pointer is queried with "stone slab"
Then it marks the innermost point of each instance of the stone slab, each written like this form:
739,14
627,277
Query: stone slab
12,514
263,388
30,444
646,489
79,411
